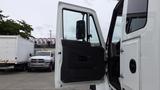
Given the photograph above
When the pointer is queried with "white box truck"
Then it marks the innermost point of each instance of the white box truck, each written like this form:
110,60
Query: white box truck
14,51
128,60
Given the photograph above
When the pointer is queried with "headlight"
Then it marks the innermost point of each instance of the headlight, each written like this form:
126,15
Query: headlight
47,61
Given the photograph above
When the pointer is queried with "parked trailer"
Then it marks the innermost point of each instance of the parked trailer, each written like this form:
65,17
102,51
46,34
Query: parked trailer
14,51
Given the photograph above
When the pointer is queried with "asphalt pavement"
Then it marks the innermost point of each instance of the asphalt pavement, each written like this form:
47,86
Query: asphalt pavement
37,80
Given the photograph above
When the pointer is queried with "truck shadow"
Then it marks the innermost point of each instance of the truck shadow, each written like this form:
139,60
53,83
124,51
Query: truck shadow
9,72
40,71
12,71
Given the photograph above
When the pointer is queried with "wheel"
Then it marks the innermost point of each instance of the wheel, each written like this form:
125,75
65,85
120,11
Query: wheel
20,67
92,87
53,66
29,70
50,69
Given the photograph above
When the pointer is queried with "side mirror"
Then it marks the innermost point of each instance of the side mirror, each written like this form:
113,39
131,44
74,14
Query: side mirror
80,29
52,54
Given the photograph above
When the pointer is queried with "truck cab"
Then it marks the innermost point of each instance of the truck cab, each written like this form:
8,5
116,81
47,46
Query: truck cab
127,60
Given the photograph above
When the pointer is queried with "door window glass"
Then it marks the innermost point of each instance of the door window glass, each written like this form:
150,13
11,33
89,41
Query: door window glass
93,33
117,30
70,19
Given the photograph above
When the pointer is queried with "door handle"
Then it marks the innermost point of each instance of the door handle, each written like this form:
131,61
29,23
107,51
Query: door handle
83,58
121,76
59,52
121,50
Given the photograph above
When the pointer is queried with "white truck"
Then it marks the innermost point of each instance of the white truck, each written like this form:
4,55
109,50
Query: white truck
14,51
42,60
128,60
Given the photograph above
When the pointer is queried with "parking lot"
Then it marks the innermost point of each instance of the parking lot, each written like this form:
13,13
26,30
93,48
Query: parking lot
37,80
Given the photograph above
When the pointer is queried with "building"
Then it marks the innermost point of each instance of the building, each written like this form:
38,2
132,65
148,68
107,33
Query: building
44,44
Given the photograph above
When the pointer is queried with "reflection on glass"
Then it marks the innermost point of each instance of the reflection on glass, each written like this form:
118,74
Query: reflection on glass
69,23
93,31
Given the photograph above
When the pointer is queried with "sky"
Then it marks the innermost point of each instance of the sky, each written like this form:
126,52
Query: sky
42,14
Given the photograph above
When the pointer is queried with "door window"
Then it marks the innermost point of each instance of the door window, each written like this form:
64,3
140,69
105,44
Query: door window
70,19
93,33
117,30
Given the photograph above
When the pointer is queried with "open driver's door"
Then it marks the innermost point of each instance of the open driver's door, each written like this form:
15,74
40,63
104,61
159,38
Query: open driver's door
80,53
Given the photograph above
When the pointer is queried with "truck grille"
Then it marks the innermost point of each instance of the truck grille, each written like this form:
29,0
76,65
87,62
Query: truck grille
33,60
37,61
40,60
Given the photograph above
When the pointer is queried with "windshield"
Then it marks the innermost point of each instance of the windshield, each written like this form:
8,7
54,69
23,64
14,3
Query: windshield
43,54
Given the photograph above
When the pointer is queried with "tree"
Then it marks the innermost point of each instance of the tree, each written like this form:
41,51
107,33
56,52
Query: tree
25,29
9,27
12,27
2,16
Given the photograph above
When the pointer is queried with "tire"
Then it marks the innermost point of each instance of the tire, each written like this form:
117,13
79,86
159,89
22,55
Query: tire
29,70
92,87
53,66
20,67
50,69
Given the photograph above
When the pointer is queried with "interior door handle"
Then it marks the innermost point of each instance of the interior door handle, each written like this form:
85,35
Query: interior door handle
83,58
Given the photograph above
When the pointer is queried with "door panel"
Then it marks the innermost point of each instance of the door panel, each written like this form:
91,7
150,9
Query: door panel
81,62
130,64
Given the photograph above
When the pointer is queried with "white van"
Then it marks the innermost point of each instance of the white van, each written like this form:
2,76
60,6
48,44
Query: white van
128,60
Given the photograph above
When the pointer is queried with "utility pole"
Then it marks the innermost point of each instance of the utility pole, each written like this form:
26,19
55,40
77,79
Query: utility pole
50,39
50,32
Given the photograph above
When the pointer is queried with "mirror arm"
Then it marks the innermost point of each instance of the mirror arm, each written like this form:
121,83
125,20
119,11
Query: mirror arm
89,36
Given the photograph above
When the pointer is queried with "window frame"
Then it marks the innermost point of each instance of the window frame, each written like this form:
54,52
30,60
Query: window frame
139,14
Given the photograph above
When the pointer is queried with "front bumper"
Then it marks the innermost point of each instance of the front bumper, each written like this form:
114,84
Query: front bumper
6,67
38,65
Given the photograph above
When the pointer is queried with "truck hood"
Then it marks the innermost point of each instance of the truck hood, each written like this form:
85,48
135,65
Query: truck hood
42,57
